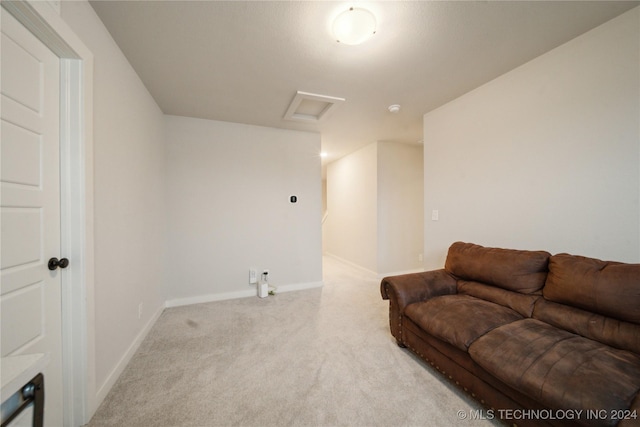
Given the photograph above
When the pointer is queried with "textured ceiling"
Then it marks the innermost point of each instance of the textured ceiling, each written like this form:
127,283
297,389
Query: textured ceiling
244,61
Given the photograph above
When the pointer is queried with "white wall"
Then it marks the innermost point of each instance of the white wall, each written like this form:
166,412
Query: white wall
400,207
375,205
545,156
352,205
228,188
129,204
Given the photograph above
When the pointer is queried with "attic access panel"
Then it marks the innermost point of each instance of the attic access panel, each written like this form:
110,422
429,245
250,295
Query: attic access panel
311,107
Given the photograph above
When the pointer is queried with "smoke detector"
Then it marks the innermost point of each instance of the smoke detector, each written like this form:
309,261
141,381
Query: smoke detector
395,108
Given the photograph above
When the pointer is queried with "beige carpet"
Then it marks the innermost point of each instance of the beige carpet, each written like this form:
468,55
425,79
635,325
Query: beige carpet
319,357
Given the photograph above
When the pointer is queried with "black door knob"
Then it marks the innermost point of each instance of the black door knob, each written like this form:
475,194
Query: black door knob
55,263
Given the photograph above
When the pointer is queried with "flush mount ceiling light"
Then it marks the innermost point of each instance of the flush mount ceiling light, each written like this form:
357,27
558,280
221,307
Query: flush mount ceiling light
354,26
395,108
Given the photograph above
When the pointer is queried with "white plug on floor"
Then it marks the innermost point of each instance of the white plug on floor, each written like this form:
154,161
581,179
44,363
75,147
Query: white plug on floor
263,285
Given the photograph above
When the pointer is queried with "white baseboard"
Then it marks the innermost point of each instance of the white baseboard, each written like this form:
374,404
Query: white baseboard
398,273
113,376
299,286
178,302
350,263
366,270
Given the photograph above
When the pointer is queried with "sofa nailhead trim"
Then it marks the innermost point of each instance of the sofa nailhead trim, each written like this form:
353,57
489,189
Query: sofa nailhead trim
443,372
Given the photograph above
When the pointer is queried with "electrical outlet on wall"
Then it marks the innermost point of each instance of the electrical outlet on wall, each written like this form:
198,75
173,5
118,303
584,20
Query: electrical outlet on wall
253,276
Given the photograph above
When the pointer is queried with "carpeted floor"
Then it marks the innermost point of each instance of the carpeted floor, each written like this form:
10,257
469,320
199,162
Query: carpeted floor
319,357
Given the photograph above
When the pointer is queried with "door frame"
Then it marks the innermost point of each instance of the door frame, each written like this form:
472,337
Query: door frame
76,201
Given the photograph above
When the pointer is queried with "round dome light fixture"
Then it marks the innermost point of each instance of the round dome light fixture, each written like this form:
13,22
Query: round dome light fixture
395,108
354,26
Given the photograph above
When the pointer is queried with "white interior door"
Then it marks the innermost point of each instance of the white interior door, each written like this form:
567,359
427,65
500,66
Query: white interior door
30,294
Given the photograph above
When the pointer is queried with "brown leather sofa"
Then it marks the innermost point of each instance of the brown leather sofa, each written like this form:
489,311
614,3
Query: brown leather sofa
537,339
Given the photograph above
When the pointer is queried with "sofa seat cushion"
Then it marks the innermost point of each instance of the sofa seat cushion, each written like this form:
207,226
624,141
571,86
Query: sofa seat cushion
558,368
459,319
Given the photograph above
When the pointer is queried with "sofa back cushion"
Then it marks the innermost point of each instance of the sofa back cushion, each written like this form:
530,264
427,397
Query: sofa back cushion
514,270
613,332
522,304
604,287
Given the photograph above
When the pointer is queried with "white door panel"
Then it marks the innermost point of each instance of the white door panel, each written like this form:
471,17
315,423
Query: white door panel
23,165
21,237
25,306
18,80
30,294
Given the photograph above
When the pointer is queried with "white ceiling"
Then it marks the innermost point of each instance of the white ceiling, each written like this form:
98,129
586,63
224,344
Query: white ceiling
244,61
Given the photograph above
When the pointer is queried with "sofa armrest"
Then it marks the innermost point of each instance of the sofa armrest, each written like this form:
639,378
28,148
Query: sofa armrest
409,288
